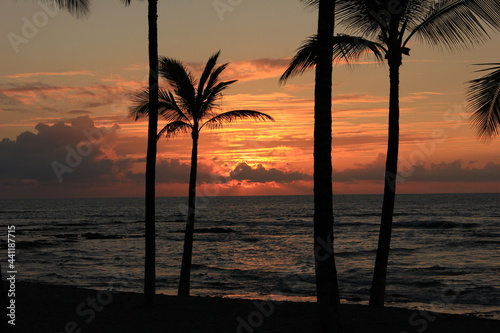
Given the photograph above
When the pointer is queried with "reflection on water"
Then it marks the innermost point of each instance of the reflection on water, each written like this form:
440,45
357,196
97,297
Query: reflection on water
262,247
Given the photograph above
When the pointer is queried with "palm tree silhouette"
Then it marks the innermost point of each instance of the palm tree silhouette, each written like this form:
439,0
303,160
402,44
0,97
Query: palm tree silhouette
82,8
452,24
150,181
327,288
483,97
151,150
189,109
319,51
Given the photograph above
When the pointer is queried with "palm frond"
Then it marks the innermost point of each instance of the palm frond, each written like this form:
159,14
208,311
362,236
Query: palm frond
488,11
181,80
185,113
304,59
213,95
231,116
126,2
457,24
214,78
212,91
175,128
366,18
414,13
79,8
483,97
311,3
167,106
212,61
351,48
345,47
140,104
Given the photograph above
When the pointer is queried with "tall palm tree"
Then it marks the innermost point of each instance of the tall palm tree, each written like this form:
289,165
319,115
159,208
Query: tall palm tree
82,8
452,24
483,97
150,182
320,50
327,288
79,8
151,151
189,109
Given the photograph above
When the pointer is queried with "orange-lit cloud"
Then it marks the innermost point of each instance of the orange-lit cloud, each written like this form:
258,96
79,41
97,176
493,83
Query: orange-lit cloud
79,158
79,154
71,73
259,174
41,95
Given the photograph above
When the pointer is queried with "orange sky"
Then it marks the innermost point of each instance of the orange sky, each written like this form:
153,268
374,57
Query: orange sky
65,93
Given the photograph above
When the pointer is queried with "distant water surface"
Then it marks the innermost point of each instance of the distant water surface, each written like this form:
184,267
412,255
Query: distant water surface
445,249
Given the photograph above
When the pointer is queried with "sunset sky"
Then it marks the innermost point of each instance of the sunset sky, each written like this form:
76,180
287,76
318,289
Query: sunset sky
65,87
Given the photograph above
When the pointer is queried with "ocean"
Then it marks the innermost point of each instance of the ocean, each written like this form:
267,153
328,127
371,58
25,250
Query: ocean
445,248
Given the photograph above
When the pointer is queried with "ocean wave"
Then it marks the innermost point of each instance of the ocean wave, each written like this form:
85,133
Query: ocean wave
96,235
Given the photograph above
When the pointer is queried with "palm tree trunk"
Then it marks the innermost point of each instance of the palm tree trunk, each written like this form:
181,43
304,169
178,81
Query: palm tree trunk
328,298
377,292
150,269
184,283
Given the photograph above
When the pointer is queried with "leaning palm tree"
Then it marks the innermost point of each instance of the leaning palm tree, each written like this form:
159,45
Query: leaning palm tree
449,24
189,109
483,97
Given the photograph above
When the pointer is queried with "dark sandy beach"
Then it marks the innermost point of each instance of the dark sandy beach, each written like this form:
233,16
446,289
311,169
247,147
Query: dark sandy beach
47,308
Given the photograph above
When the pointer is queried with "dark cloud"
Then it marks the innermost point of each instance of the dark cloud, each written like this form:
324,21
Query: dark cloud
60,152
369,171
174,171
456,171
259,174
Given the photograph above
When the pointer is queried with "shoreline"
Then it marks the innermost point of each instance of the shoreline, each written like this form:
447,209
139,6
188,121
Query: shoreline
52,308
